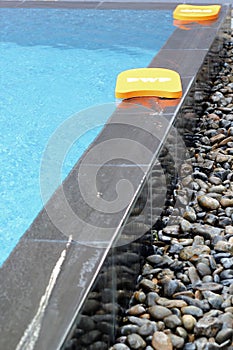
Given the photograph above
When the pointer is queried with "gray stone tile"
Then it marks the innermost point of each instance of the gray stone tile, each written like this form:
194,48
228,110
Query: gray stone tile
185,62
27,287
49,4
197,38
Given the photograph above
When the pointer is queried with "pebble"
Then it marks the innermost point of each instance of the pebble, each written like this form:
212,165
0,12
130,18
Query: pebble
129,329
159,312
140,296
210,219
203,269
170,286
136,310
208,202
215,300
226,202
201,343
227,262
193,276
161,341
172,230
135,341
171,303
209,286
215,180
172,321
217,138
177,342
185,225
207,231
147,329
208,326
181,332
217,189
148,285
190,214
151,297
159,260
224,246
223,335
189,322
188,252
192,310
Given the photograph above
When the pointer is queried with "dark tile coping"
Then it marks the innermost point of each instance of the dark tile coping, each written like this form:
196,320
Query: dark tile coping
32,295
136,5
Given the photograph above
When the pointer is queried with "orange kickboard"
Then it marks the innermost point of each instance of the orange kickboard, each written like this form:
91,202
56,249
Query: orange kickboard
193,12
158,82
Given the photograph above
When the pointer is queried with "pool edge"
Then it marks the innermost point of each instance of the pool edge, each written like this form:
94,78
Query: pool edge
42,255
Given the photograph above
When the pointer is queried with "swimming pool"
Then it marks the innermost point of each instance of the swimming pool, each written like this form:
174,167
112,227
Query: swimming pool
54,63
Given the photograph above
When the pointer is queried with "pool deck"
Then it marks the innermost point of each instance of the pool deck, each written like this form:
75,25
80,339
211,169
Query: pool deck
26,298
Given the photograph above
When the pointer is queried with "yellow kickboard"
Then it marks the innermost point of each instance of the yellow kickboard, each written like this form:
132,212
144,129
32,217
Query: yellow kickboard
192,12
158,82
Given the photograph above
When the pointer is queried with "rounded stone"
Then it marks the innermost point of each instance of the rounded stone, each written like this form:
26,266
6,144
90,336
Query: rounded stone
160,341
207,278
150,298
138,321
173,303
227,262
147,329
201,343
190,251
140,296
189,322
203,269
208,326
172,321
185,225
177,342
223,335
148,285
181,332
190,214
217,189
169,287
129,329
212,286
136,310
208,202
226,274
226,202
192,310
224,246
135,341
215,300
215,180
159,312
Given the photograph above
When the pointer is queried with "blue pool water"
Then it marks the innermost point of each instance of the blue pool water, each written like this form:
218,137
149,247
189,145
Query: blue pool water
53,63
